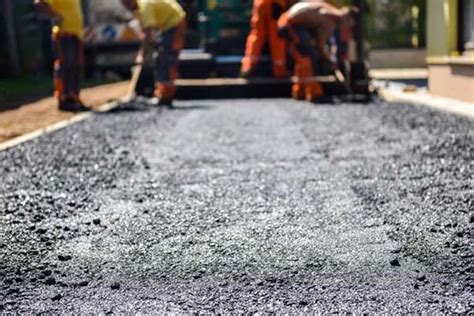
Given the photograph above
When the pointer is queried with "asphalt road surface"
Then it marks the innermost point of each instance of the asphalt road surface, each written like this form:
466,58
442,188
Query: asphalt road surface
242,206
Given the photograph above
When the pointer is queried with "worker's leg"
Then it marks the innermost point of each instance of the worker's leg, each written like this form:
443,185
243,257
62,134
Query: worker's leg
67,71
78,70
166,70
278,46
298,90
306,86
257,36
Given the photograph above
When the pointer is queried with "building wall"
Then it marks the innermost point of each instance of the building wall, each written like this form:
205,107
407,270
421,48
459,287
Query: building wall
469,26
453,81
397,58
450,74
442,27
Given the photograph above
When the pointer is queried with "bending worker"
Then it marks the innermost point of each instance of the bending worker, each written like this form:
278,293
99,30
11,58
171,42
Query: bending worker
66,15
163,24
301,24
264,28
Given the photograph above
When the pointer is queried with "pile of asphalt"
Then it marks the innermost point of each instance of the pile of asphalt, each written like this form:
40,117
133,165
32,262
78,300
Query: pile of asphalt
242,206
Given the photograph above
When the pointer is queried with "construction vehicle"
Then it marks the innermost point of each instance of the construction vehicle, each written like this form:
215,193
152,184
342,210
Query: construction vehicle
111,36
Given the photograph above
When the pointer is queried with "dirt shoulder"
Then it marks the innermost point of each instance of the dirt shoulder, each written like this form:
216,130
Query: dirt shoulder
39,114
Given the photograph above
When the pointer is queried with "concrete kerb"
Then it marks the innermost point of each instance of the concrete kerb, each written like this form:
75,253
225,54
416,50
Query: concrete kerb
56,126
425,99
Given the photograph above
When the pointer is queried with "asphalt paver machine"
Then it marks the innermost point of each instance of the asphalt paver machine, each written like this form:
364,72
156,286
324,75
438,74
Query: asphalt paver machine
216,42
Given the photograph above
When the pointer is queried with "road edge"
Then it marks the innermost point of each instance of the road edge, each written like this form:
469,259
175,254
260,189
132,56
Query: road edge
54,127
424,99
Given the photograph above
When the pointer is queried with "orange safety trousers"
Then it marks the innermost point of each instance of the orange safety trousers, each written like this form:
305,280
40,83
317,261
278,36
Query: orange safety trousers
303,52
264,28
67,66
170,44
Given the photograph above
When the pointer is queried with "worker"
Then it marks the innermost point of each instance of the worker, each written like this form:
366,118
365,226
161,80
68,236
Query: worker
336,55
264,29
66,16
163,28
301,24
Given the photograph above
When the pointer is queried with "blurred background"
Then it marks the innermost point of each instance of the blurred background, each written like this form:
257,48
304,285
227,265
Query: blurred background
392,25
436,36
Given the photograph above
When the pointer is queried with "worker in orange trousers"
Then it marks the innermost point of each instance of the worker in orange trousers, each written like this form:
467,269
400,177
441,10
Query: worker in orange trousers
264,28
301,24
66,15
164,25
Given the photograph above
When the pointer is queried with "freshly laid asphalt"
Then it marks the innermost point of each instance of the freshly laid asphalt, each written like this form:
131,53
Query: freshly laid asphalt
242,206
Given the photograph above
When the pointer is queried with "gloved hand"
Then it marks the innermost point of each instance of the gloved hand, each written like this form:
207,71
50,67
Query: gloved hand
283,32
57,20
277,11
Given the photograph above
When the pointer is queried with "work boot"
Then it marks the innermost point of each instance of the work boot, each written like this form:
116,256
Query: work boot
168,103
72,105
322,99
67,106
81,107
247,74
297,92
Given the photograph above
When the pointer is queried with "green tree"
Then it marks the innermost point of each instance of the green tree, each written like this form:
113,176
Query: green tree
397,24
11,39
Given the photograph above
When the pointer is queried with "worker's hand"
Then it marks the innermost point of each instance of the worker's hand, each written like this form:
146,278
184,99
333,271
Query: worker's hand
139,58
57,20
148,36
326,58
142,36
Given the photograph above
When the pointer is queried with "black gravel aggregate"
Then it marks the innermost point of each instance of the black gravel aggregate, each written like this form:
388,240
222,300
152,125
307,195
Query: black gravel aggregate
243,206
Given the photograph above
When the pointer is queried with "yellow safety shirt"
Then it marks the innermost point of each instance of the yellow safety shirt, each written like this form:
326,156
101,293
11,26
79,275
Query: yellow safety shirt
160,14
71,13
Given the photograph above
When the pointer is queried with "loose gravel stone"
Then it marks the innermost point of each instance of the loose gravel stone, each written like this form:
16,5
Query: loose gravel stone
64,257
83,283
115,286
421,278
243,206
57,297
50,281
395,262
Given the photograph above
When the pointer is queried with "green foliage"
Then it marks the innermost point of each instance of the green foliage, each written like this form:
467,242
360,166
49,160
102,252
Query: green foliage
28,86
28,34
392,24
3,49
32,86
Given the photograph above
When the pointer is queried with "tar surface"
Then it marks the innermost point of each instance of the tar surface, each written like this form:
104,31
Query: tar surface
242,206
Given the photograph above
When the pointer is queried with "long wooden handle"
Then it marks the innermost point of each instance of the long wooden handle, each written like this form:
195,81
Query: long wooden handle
342,79
137,70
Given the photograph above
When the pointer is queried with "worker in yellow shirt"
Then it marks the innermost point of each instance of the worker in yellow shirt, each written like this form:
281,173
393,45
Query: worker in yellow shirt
66,16
164,25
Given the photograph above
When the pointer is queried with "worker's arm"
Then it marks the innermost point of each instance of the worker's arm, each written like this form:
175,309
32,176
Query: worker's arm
46,10
148,37
322,37
328,9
